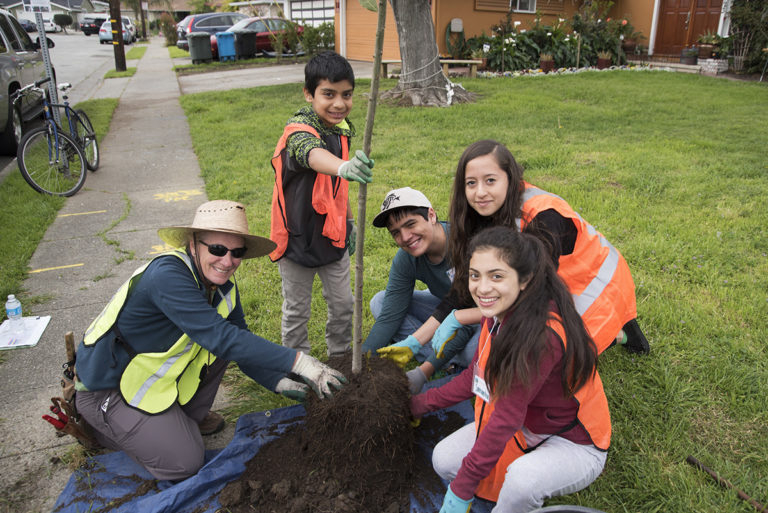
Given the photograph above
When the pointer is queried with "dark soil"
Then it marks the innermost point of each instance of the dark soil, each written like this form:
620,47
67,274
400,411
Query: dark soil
355,453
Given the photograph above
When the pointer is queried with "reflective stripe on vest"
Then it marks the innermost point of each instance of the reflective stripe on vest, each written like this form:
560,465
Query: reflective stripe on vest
596,274
593,415
153,381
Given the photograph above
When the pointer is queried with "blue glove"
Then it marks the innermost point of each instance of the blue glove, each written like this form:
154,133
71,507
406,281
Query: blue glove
445,332
402,352
453,504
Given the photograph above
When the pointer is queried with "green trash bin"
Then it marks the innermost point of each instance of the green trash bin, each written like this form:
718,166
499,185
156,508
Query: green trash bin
200,47
245,43
226,43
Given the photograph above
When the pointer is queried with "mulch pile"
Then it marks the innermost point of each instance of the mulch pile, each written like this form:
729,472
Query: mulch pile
355,453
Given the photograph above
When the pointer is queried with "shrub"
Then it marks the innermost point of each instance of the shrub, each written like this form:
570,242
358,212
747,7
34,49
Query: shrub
310,40
327,36
168,28
62,20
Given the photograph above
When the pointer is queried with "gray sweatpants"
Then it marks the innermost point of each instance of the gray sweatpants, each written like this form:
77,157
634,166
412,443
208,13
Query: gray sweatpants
297,304
168,445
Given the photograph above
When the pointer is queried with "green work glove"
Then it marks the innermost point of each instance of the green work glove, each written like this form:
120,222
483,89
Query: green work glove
318,375
402,352
445,332
357,169
292,389
352,240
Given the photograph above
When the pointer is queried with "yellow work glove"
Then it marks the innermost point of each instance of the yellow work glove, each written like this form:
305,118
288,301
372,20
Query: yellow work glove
402,352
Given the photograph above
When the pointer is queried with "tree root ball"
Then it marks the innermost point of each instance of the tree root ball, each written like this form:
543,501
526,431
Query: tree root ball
355,453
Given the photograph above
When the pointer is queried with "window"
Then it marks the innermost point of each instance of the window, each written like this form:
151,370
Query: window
524,5
10,36
314,12
258,26
24,39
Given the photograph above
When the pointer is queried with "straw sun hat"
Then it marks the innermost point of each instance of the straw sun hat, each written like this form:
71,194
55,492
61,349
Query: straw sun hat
220,216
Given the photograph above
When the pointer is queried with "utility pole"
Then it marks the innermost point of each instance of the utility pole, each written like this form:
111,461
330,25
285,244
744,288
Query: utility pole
117,34
144,6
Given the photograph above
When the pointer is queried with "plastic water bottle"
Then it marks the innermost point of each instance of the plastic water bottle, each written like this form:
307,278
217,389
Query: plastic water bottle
13,310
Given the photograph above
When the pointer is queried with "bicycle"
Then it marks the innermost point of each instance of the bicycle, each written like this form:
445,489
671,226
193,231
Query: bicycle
51,160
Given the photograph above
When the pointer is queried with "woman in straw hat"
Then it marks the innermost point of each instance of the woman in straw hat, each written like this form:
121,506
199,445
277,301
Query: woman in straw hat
149,366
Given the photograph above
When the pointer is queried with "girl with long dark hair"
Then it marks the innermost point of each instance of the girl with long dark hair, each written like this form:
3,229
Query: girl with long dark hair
542,426
489,190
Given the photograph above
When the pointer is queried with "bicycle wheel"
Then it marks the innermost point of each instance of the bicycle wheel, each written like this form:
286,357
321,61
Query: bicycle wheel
87,139
48,168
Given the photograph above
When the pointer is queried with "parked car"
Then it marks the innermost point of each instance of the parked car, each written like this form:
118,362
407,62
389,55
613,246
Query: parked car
210,22
263,28
92,24
50,26
131,27
105,33
21,63
28,25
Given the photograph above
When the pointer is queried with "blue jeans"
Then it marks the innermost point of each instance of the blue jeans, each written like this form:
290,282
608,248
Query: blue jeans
458,351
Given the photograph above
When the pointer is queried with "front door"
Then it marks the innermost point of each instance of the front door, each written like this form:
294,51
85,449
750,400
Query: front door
681,22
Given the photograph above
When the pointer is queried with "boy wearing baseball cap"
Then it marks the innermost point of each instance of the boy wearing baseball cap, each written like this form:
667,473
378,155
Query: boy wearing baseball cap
407,315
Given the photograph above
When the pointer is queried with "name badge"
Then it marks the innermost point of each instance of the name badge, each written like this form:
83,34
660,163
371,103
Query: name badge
479,386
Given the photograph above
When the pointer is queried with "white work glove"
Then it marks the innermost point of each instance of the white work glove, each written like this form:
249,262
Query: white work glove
318,375
357,169
292,389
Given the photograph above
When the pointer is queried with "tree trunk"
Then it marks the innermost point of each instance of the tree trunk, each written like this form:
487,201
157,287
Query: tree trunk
117,34
422,81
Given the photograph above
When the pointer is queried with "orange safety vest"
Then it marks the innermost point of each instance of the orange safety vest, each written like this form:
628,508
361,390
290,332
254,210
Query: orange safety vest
593,414
595,273
326,199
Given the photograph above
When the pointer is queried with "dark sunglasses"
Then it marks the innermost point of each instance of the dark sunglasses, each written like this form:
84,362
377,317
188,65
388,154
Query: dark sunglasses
219,250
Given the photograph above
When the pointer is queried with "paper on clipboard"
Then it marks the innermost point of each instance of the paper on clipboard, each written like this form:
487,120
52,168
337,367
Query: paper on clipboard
34,326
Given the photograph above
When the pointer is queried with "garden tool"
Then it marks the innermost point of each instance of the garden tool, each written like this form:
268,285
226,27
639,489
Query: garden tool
68,422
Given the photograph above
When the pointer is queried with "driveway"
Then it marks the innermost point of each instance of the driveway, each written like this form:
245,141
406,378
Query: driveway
253,77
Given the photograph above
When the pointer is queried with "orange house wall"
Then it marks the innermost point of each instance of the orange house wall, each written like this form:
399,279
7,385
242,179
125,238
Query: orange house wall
639,14
361,23
477,22
361,33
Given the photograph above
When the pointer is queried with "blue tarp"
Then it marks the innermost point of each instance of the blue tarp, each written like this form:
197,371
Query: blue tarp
115,482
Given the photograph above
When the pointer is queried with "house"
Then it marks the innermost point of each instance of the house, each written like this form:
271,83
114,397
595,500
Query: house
668,25
75,8
671,25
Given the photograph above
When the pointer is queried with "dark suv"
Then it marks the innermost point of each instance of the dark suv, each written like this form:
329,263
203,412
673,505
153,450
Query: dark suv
210,22
91,25
21,63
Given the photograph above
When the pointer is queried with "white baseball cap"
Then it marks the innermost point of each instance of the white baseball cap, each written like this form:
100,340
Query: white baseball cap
398,198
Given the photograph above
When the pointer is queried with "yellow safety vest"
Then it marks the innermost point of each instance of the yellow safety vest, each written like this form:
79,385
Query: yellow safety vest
152,382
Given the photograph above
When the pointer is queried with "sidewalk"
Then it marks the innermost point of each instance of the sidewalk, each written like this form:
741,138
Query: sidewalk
149,176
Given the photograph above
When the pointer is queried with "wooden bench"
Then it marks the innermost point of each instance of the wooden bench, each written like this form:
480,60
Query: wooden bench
472,63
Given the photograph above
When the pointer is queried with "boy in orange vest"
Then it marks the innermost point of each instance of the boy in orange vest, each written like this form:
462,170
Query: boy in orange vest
312,221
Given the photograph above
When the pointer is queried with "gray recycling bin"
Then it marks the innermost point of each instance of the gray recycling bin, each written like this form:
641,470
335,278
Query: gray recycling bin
200,47
245,43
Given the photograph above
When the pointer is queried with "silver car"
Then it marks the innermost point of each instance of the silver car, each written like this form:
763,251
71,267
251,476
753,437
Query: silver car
21,63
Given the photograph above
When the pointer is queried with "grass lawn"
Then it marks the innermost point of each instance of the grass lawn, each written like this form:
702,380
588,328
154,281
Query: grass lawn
670,167
137,52
129,72
26,214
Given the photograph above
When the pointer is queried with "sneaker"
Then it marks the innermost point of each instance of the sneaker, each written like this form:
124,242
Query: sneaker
211,424
634,340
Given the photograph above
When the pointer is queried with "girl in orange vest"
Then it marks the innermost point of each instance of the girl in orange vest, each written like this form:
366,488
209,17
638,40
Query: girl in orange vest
489,190
542,426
